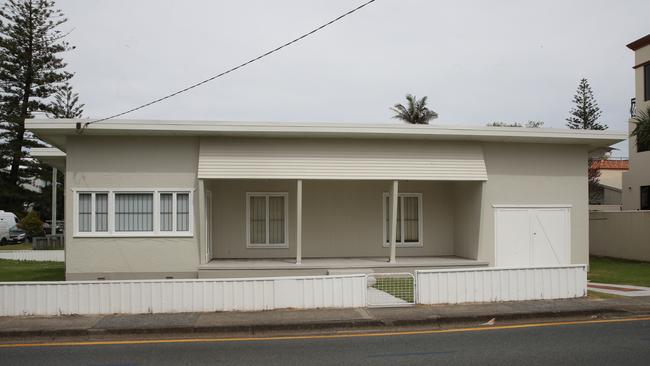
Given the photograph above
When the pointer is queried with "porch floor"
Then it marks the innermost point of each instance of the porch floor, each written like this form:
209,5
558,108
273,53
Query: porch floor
341,263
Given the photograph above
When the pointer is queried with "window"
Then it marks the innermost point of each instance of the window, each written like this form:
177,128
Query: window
645,197
646,81
409,219
266,220
174,212
132,213
93,214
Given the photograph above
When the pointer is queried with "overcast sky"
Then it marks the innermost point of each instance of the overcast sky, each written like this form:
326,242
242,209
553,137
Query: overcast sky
477,61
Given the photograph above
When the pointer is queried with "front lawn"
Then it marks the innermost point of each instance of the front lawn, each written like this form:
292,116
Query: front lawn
21,246
31,271
619,271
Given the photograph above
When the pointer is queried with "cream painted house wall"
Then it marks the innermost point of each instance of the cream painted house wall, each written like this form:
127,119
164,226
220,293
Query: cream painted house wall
134,163
639,173
340,218
343,218
536,174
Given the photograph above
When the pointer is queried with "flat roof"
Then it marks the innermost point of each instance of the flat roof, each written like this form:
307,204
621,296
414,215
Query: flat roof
55,131
639,43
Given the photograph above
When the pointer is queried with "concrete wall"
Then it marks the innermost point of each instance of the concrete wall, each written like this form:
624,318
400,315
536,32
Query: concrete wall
623,234
340,218
129,162
536,174
639,173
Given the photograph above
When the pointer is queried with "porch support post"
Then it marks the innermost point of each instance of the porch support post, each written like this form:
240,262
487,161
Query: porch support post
299,221
393,220
203,247
53,227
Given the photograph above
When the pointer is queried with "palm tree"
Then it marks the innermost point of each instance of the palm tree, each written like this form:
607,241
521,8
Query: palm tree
641,130
416,113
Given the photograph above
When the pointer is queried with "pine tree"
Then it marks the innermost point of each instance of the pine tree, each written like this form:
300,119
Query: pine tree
585,113
66,103
31,70
584,116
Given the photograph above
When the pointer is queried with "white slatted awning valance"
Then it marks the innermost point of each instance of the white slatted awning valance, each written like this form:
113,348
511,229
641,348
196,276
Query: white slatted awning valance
340,159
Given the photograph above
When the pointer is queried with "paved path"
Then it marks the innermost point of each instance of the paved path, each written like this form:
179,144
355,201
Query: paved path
378,297
621,290
614,343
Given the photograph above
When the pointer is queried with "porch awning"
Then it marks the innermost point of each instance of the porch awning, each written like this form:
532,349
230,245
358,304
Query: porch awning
253,158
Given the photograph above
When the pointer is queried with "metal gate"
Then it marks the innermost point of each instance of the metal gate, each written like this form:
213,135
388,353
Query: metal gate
391,289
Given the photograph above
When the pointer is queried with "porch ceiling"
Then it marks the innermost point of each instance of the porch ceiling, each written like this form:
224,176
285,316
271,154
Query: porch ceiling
242,158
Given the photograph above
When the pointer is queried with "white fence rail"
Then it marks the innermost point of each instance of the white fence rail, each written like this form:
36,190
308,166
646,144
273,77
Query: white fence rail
173,296
454,286
34,255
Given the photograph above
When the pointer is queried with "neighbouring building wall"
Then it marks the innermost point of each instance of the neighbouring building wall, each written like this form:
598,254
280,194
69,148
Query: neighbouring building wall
340,218
611,178
611,196
639,173
623,234
529,174
135,163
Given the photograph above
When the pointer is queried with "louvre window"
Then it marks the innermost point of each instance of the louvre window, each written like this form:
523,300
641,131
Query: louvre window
166,212
267,219
93,209
134,213
409,220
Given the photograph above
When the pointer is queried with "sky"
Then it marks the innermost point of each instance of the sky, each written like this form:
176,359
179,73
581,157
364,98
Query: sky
477,61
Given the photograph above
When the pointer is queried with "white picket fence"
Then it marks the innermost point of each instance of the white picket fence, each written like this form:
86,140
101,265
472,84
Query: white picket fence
173,296
454,286
34,255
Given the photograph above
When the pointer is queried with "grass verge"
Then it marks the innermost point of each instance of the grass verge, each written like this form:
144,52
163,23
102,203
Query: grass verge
619,271
31,271
601,295
21,246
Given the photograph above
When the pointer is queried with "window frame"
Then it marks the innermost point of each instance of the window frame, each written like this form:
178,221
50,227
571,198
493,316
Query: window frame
399,242
111,232
267,245
646,82
641,189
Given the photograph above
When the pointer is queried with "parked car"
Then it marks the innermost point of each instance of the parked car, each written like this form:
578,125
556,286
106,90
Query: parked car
7,221
17,235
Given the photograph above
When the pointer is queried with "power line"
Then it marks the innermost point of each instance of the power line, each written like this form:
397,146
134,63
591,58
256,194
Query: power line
231,69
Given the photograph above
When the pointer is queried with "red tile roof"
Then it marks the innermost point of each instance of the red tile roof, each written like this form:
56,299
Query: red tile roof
611,164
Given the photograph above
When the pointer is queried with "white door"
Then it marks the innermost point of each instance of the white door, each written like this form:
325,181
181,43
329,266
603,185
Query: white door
532,236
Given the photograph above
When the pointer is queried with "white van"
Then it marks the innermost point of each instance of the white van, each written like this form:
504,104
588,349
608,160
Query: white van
7,221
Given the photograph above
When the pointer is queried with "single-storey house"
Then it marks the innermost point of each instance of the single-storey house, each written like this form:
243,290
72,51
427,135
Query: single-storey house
187,199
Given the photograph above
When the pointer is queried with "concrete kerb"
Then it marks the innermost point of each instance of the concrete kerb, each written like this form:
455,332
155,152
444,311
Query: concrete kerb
367,324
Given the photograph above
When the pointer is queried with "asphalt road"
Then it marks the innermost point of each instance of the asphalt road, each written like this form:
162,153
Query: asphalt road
620,343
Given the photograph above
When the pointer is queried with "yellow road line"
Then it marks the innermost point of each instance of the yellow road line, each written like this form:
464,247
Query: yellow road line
324,336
